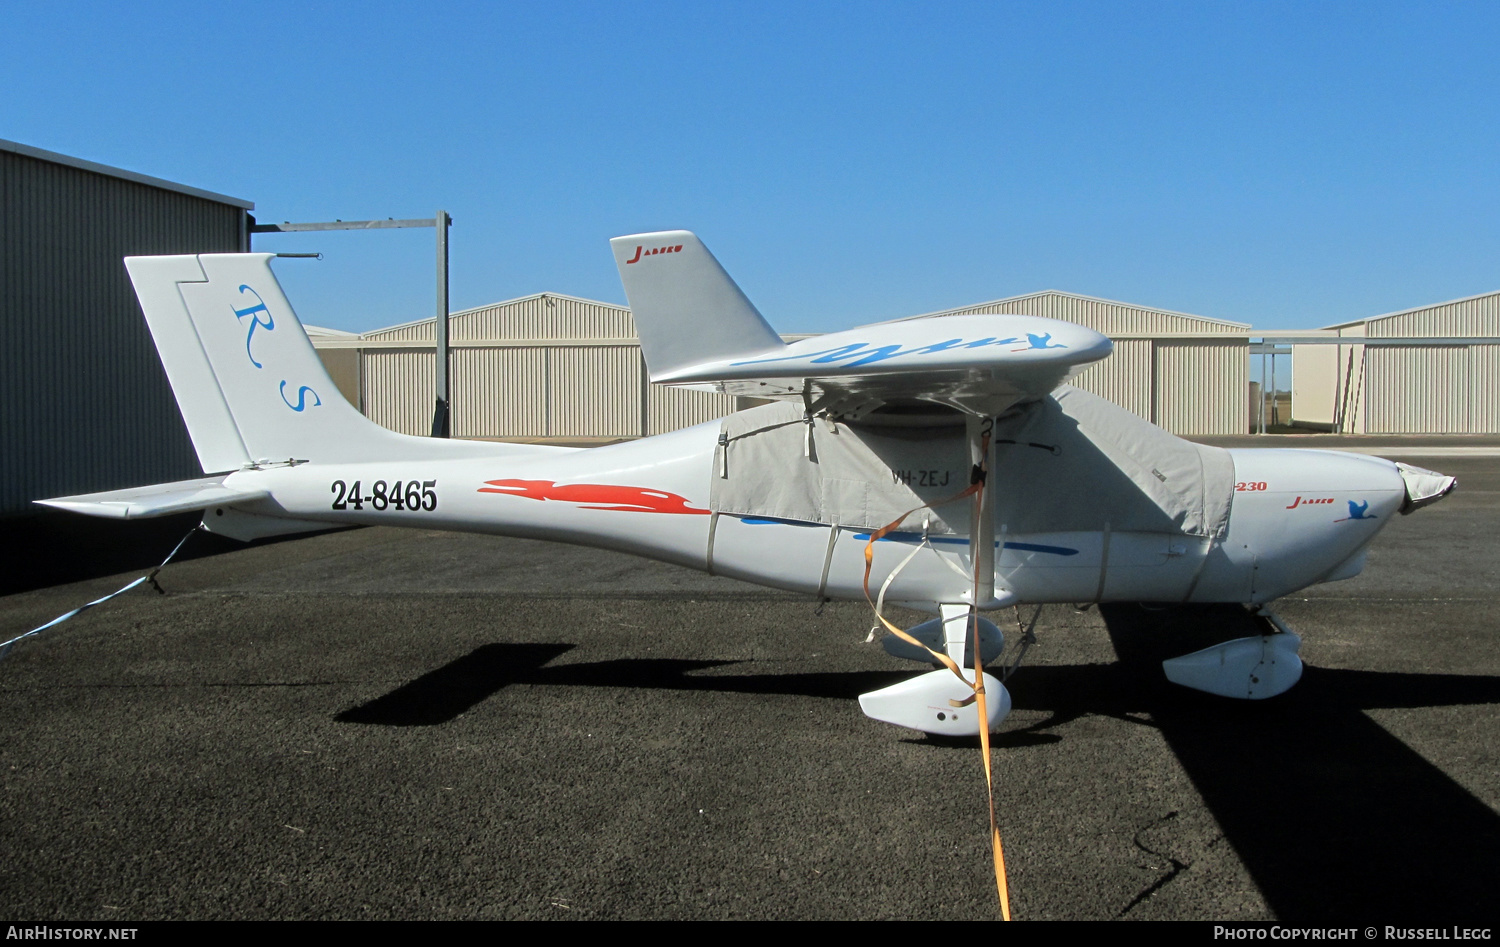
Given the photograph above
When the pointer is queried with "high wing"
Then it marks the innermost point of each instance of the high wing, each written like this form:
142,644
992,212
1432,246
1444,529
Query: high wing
697,328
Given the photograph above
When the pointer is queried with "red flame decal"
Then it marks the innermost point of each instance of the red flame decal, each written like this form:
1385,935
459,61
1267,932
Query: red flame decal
598,496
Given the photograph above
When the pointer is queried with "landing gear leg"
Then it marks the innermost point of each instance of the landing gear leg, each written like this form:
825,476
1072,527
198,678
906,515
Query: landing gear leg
942,702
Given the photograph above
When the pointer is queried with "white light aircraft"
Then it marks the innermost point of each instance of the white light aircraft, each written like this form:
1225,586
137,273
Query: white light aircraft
1078,500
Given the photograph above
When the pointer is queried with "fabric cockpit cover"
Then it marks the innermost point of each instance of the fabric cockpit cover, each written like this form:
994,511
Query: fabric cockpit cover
1069,462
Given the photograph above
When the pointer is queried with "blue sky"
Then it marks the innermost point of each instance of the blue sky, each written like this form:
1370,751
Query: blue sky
1287,165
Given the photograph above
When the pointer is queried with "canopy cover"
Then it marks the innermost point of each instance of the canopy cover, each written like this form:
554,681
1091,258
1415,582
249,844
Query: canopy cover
1069,462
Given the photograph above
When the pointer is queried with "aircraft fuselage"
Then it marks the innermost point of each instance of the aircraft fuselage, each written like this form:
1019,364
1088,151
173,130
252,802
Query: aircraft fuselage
1298,517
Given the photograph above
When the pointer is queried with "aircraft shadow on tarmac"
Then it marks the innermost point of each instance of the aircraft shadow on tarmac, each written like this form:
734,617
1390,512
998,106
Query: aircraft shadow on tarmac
1335,819
441,695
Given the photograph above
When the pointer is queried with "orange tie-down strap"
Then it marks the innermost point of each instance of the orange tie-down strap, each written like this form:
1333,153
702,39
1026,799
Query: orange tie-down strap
976,490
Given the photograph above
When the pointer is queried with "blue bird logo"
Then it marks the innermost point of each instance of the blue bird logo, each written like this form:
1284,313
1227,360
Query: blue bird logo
1043,341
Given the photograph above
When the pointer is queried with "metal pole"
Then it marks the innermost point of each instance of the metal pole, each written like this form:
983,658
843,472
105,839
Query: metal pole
440,415
440,422
1262,406
1275,417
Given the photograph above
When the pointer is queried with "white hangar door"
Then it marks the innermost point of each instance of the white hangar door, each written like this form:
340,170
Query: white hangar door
1417,389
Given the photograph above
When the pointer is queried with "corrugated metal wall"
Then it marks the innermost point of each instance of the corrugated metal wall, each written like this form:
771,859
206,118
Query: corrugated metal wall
1435,388
1201,387
84,403
344,368
1477,315
1484,385
1124,377
595,391
546,316
1411,389
411,331
398,389
541,366
671,409
495,392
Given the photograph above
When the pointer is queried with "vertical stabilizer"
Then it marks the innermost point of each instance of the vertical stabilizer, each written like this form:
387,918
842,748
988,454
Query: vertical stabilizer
210,424
687,310
249,383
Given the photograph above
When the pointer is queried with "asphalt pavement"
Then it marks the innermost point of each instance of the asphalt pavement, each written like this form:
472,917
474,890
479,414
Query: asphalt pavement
381,723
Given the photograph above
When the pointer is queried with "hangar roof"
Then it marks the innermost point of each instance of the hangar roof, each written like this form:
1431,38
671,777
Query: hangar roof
1103,315
537,317
104,169
1469,316
556,316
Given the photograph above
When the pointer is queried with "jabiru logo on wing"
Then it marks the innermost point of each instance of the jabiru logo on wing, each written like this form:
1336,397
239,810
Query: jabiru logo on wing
640,252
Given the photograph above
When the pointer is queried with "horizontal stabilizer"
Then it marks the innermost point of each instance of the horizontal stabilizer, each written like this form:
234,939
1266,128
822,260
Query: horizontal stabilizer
162,499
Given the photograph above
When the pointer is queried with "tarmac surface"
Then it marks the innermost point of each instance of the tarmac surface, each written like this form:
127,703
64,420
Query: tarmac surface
380,723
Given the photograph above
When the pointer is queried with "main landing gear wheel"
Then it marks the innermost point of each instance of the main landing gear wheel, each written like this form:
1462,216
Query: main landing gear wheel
1252,668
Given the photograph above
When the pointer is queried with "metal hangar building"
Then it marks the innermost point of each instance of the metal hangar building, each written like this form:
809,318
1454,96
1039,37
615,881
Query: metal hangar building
87,406
1186,373
1429,370
543,366
551,366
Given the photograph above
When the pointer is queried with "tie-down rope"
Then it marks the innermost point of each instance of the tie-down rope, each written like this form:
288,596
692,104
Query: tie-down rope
975,489
5,646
